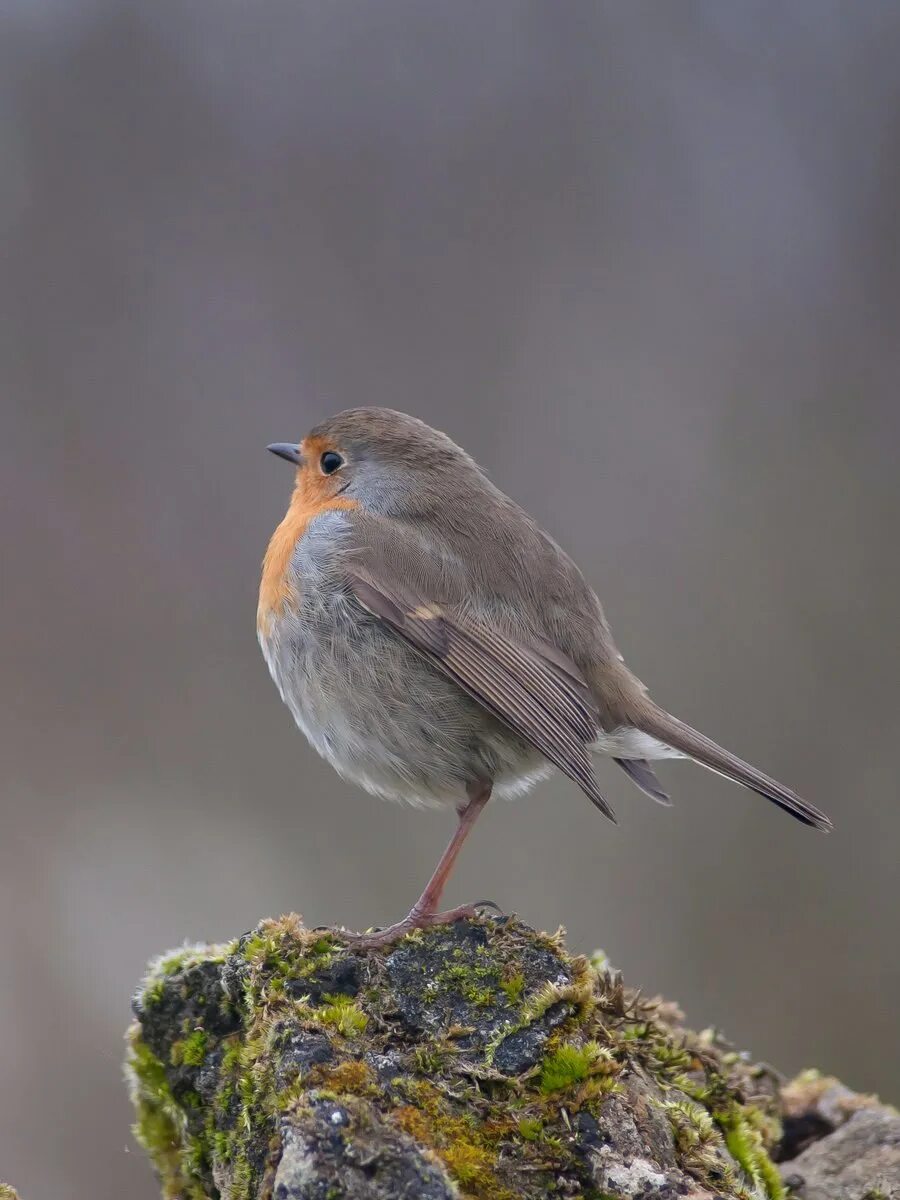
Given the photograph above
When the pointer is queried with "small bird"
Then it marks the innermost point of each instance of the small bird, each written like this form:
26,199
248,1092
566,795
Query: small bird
436,646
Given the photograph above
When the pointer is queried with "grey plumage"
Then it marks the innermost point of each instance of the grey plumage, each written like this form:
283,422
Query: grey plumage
642,774
439,638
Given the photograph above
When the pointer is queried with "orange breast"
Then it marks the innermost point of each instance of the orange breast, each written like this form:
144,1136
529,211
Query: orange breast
276,591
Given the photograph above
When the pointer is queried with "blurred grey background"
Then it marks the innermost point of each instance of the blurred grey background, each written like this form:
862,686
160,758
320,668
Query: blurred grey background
642,260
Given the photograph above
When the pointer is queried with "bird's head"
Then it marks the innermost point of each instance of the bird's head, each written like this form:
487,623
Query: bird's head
380,460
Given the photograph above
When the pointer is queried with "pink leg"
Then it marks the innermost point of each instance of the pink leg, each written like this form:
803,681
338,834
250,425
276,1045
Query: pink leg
425,910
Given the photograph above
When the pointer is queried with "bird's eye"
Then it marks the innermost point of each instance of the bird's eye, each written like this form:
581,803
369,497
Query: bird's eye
330,462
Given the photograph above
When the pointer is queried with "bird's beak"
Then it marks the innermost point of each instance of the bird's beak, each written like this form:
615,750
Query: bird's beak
286,450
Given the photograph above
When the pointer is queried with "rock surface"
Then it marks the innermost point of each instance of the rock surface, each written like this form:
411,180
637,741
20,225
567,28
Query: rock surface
477,1061
860,1161
842,1146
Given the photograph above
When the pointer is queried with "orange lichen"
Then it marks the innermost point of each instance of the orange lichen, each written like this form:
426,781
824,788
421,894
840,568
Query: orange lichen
468,1151
349,1077
414,1122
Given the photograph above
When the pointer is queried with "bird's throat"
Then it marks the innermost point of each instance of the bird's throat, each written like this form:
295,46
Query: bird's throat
277,590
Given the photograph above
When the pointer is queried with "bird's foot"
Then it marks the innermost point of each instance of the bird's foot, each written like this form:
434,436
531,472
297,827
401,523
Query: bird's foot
415,920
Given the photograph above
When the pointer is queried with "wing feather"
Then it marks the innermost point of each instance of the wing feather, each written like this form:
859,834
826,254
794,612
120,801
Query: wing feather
540,697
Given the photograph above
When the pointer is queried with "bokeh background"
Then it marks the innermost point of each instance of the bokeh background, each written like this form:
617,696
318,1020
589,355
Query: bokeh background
642,260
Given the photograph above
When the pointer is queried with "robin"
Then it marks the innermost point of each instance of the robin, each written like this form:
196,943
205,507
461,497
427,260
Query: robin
436,646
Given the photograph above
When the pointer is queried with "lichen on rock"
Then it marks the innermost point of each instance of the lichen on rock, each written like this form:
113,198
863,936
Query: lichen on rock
479,1060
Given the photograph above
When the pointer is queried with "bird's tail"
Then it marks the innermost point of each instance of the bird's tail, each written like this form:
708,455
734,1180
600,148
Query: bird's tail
681,737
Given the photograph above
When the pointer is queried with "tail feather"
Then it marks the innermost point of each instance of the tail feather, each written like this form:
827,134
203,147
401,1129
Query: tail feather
640,772
703,750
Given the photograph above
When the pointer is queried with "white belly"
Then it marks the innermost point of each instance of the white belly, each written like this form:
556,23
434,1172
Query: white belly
387,721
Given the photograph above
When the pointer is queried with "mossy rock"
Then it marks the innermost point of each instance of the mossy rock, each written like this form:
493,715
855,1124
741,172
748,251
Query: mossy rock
479,1060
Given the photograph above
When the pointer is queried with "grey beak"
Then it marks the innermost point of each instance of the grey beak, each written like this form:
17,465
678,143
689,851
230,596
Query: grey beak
286,450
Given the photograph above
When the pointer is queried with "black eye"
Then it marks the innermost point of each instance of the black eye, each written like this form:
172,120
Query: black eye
330,462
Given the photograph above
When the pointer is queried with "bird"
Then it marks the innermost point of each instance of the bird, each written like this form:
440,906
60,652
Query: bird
437,647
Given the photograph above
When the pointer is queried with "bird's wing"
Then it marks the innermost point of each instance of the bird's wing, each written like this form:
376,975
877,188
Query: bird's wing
533,689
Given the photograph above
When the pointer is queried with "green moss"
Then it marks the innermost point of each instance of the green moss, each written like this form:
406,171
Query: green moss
698,1141
344,1015
190,1051
153,992
530,1128
160,1124
279,950
536,1005
669,1057
745,1144
173,963
577,995
570,1065
181,1137
472,1166
176,960
431,1059
599,961
513,987
283,984
473,981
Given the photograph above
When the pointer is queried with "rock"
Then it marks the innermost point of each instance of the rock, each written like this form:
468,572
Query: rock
479,1061
325,1140
857,1157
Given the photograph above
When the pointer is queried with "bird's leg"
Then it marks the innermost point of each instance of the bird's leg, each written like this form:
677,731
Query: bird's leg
425,910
